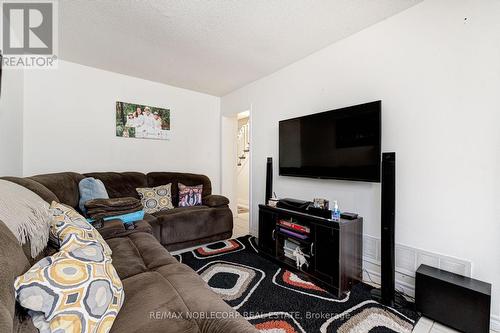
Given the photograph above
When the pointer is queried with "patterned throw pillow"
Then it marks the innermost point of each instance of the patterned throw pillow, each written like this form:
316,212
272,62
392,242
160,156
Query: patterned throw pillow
66,222
76,289
91,188
155,199
190,195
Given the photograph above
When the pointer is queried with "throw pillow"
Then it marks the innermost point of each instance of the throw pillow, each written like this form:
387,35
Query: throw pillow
190,195
67,222
74,290
155,199
91,188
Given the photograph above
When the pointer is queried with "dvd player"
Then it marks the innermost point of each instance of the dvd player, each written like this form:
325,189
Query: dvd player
294,204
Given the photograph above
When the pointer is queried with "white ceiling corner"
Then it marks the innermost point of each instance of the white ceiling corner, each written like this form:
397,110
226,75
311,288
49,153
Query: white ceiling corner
211,46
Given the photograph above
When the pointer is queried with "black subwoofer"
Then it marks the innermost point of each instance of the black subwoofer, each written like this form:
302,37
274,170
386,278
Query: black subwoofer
454,300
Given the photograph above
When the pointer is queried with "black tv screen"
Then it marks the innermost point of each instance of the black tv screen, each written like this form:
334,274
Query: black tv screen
338,144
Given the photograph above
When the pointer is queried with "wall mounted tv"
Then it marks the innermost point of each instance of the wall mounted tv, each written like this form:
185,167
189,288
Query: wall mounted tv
339,144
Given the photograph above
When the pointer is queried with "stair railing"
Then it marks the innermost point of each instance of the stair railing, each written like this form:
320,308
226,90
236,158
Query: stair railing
243,144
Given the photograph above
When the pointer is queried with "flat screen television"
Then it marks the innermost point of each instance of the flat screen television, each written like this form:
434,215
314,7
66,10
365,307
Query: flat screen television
339,144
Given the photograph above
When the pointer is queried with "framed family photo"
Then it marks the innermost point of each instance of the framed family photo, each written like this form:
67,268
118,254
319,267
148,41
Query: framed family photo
142,121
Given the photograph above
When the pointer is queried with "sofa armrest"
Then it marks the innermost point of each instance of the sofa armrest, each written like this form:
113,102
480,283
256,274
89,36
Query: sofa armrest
215,200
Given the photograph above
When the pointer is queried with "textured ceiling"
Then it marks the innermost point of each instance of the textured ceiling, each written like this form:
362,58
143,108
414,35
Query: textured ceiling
211,46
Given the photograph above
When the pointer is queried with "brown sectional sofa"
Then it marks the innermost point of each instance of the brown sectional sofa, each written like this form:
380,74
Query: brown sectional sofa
161,294
175,229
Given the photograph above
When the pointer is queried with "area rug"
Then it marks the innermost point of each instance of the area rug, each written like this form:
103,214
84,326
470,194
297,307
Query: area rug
277,300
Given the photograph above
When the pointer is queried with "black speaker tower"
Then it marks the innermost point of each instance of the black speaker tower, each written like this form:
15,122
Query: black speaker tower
388,219
269,179
387,293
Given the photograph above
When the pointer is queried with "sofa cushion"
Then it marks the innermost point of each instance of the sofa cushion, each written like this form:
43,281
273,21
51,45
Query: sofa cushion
180,210
137,253
152,253
34,186
161,178
126,257
23,324
155,227
13,263
64,185
150,298
122,184
186,223
199,298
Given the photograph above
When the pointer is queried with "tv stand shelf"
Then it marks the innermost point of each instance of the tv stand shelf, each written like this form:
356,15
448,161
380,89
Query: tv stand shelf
333,249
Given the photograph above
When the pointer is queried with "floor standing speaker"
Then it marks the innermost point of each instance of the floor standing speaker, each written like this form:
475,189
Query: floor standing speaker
387,293
388,218
269,179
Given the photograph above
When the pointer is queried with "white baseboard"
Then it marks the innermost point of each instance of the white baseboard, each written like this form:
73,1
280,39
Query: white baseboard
254,232
408,259
495,323
243,205
404,283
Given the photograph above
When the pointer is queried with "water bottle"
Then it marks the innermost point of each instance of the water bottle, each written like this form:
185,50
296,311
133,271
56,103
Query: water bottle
336,211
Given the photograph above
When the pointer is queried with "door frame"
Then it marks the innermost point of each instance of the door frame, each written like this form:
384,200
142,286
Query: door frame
228,182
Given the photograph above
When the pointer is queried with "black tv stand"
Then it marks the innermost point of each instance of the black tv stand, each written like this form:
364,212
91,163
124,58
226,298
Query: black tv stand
334,249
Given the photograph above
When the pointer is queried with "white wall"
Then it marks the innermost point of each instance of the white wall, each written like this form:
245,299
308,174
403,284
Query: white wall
229,149
436,67
244,183
69,124
243,171
11,123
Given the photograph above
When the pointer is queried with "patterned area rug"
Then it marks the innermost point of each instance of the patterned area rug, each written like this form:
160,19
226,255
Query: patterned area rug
274,299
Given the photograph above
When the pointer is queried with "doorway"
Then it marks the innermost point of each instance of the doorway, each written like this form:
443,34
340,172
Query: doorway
242,162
